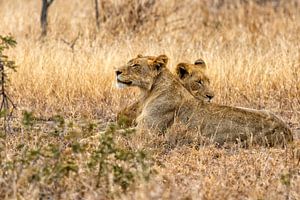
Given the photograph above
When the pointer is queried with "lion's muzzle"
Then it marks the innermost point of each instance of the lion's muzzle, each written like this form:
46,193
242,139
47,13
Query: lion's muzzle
121,82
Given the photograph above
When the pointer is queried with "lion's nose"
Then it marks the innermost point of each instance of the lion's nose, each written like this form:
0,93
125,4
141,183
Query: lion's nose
118,72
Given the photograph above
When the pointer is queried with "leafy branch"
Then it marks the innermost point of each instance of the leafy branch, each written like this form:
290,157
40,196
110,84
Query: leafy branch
7,106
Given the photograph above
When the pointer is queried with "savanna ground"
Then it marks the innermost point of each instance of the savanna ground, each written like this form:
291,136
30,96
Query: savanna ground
65,93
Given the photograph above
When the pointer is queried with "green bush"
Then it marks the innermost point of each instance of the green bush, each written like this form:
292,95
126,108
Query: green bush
57,164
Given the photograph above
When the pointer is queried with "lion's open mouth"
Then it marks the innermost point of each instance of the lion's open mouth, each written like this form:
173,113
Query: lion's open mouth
124,82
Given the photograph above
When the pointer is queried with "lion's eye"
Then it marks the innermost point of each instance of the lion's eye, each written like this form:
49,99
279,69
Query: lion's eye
135,65
200,82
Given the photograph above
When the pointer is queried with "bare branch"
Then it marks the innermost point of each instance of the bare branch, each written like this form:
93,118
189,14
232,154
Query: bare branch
72,43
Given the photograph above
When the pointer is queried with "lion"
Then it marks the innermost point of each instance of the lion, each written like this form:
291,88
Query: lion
195,80
165,100
192,76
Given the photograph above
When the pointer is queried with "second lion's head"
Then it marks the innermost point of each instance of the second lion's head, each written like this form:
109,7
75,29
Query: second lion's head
195,80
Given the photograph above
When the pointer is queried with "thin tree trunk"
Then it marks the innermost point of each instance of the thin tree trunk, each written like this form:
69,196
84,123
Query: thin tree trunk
97,14
44,14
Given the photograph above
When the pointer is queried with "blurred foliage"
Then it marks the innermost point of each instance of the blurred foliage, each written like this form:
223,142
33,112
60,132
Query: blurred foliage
7,42
44,162
122,164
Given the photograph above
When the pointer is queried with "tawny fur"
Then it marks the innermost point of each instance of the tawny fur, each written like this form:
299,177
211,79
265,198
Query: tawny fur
165,100
192,76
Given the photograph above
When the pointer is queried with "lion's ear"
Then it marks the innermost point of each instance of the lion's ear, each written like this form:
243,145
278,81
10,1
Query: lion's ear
139,56
200,62
163,58
181,70
161,62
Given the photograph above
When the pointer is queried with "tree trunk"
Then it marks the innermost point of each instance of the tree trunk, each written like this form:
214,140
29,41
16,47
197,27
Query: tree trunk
97,14
44,14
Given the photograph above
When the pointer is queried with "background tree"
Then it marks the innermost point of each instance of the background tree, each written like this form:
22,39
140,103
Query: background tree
46,4
97,14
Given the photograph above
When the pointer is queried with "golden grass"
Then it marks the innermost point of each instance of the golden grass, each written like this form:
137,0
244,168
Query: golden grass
252,51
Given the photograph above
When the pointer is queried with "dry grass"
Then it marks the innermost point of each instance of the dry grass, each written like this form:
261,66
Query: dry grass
253,54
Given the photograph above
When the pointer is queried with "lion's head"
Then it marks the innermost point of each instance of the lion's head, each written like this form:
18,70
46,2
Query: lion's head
194,79
140,71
